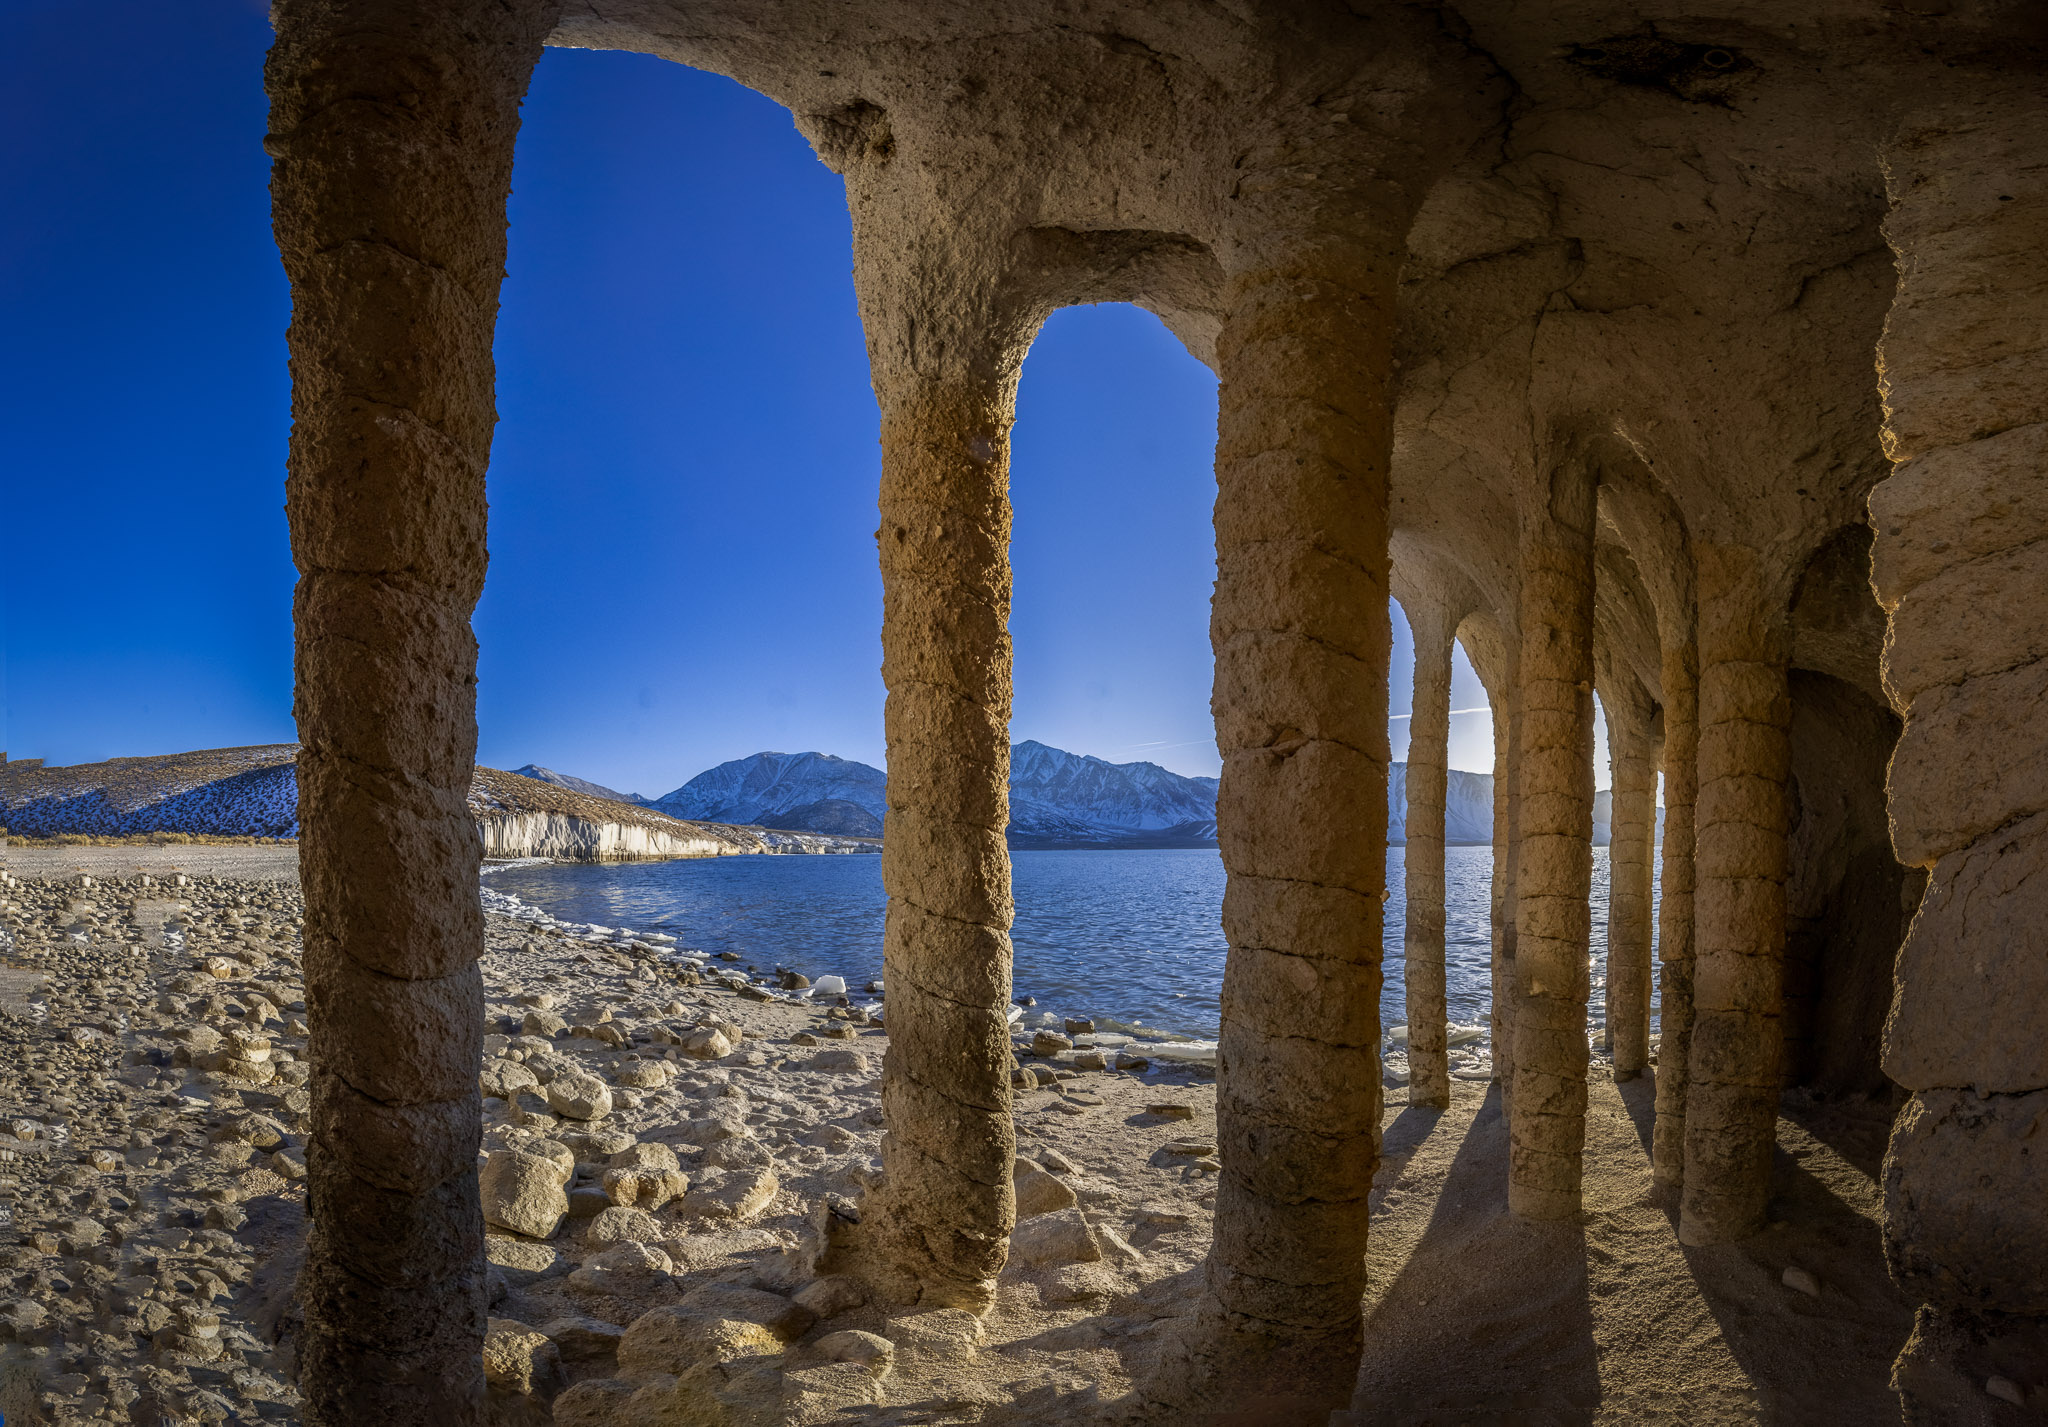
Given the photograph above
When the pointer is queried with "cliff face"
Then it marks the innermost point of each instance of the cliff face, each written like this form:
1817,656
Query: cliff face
520,816
567,838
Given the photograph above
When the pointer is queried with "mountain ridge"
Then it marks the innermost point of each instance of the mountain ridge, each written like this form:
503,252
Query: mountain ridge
1058,800
579,785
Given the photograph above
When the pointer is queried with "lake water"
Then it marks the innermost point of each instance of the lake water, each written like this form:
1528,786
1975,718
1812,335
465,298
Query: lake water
1133,937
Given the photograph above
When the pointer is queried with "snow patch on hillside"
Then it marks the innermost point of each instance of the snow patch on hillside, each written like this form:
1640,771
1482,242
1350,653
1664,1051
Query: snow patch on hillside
215,792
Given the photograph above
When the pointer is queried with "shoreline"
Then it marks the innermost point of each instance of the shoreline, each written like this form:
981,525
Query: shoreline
159,1201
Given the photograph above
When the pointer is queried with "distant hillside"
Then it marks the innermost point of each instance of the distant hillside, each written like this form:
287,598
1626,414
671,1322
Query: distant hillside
834,815
253,792
578,785
220,792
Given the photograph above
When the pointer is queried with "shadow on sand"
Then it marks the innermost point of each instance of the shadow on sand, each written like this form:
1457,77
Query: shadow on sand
1488,1319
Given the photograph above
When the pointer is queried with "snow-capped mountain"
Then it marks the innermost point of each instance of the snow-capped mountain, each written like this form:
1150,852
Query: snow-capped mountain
1468,806
1057,799
577,785
767,788
1071,799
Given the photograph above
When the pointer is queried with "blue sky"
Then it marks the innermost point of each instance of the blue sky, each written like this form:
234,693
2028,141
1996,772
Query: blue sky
683,483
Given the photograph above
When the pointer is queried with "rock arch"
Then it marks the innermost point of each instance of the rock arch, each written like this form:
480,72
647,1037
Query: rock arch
1477,285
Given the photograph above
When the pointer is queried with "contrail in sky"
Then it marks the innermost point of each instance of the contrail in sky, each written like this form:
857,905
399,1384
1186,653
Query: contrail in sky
1391,718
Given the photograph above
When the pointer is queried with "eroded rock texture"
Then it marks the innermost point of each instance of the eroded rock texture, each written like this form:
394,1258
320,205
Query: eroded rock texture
1429,732
1554,871
1567,321
1632,746
946,1209
392,127
1675,905
1960,527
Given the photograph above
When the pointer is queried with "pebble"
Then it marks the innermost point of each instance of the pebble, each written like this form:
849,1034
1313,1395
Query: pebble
583,1339
832,1295
1046,1044
944,1335
1801,1281
1171,1110
1061,1237
579,1095
1039,1192
523,1193
872,1351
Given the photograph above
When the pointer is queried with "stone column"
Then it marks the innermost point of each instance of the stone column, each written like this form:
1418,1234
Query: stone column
392,125
1429,735
1632,832
1680,660
1554,876
943,1216
1507,804
1745,711
1959,562
1301,633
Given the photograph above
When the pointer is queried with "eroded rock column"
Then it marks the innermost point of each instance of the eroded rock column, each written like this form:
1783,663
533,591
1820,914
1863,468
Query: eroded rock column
943,1216
1960,561
1429,736
1507,803
1745,712
1632,833
1301,633
392,126
1554,874
1678,675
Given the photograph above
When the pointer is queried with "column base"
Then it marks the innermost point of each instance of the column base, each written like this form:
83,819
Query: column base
1972,1367
1543,1206
1219,1369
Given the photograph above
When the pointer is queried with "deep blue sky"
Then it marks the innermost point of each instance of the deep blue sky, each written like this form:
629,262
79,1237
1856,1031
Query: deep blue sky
683,484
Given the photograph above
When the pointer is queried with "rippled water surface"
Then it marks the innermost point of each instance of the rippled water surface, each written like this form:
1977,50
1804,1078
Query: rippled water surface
1131,936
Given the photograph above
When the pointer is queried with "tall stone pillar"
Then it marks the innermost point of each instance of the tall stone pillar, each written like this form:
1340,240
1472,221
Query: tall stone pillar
392,125
1429,735
1731,1107
943,1216
1959,562
1554,878
1632,835
1679,675
1301,634
1507,804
